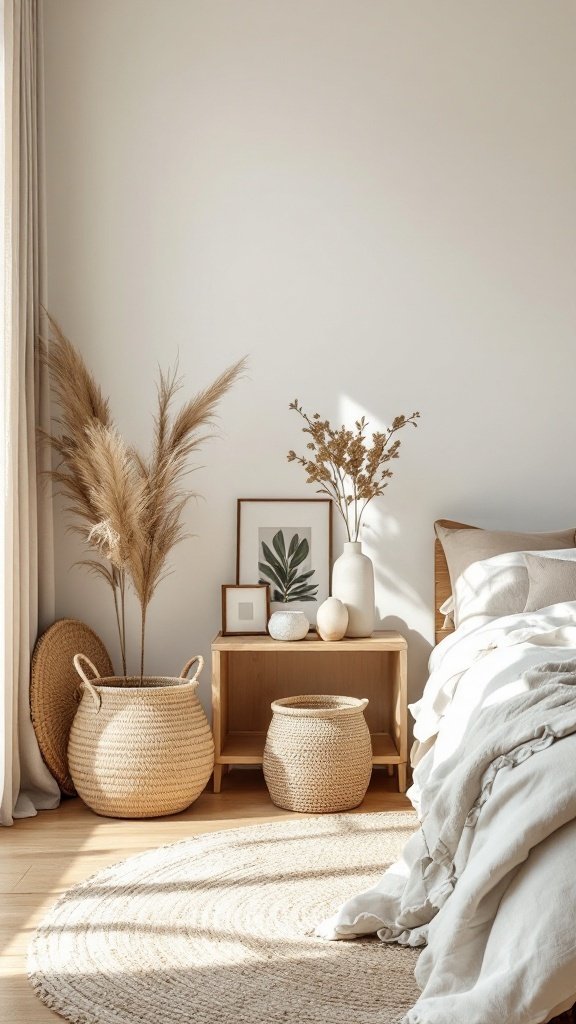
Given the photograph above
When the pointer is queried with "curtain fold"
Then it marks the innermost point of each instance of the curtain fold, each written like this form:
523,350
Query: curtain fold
26,552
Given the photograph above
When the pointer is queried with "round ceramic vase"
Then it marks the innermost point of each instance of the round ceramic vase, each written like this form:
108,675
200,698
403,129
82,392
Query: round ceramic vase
332,619
353,584
288,625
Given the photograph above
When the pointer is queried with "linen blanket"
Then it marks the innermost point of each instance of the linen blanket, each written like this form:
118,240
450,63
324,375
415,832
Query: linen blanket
489,880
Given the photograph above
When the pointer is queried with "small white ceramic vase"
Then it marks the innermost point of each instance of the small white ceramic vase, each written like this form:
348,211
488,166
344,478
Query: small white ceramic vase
353,584
288,625
332,619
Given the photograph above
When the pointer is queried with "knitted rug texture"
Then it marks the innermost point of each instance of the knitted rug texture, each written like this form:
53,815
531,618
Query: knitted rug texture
218,929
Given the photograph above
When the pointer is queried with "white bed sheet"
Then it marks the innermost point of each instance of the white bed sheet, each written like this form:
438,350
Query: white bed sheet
502,945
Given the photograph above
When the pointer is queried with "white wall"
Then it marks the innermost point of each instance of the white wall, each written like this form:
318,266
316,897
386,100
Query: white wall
374,199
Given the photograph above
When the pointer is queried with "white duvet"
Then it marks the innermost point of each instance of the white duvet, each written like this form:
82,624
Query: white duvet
488,883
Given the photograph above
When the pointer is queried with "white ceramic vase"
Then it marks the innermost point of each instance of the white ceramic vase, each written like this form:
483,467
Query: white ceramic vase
332,619
288,625
353,584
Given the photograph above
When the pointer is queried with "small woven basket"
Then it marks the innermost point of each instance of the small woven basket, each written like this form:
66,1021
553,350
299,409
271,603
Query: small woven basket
318,753
139,751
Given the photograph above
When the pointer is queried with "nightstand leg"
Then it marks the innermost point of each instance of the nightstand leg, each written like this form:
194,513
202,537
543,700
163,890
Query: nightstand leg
402,782
390,769
217,777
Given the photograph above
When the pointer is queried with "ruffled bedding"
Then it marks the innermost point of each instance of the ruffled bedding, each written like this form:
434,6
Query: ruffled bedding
488,883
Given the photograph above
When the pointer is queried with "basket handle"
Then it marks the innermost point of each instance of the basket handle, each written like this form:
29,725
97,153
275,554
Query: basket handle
188,666
78,659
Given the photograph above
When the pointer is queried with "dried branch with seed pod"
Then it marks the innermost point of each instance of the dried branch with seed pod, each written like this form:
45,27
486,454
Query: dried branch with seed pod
350,469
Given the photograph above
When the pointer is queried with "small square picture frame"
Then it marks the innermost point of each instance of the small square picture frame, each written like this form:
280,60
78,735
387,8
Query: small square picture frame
245,609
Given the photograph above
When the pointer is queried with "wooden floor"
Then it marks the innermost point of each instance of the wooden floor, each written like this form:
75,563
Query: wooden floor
41,857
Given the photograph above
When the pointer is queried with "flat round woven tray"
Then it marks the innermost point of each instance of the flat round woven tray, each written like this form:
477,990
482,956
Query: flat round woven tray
53,685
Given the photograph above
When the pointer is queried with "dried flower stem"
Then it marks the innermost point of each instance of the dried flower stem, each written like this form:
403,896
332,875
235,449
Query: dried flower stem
120,605
349,471
126,507
142,639
118,591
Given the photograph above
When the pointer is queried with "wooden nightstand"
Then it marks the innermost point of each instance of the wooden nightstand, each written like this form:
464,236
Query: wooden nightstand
249,672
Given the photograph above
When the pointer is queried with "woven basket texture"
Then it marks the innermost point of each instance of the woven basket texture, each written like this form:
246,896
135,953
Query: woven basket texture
140,751
318,753
54,690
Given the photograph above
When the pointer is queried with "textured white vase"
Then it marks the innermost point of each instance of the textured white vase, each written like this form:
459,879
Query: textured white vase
286,625
332,619
353,584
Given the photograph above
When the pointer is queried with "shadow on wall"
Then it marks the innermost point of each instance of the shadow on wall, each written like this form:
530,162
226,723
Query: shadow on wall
399,590
399,543
419,650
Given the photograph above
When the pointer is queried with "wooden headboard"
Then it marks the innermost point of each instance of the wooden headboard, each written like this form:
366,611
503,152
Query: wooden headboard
442,585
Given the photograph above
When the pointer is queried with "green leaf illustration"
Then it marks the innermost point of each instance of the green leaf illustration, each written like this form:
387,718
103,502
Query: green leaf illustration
301,553
266,570
279,546
280,568
271,559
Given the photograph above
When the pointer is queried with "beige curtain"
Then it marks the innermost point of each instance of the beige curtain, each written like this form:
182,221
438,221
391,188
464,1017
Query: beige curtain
26,571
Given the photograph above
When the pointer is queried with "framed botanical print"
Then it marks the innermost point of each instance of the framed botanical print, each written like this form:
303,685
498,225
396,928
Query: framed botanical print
245,609
287,543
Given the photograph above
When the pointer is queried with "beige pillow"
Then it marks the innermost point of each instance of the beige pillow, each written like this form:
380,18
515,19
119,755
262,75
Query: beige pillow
551,580
463,547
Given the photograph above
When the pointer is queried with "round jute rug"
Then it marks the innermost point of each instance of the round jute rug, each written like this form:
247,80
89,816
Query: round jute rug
219,930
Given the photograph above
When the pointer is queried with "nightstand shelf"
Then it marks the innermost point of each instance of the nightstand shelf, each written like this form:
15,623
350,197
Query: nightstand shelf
249,672
243,747
248,748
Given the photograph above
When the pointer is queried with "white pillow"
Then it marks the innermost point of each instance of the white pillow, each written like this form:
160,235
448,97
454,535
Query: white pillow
499,585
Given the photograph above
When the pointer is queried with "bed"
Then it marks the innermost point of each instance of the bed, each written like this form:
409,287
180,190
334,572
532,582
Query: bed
496,792
442,629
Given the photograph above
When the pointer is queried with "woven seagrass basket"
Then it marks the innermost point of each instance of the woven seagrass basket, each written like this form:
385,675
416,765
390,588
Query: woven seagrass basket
54,688
139,750
318,753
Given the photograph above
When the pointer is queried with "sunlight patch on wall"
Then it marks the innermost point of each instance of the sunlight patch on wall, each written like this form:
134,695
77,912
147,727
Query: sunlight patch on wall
381,530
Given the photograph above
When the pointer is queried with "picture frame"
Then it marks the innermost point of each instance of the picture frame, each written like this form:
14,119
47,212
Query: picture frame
286,542
245,609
